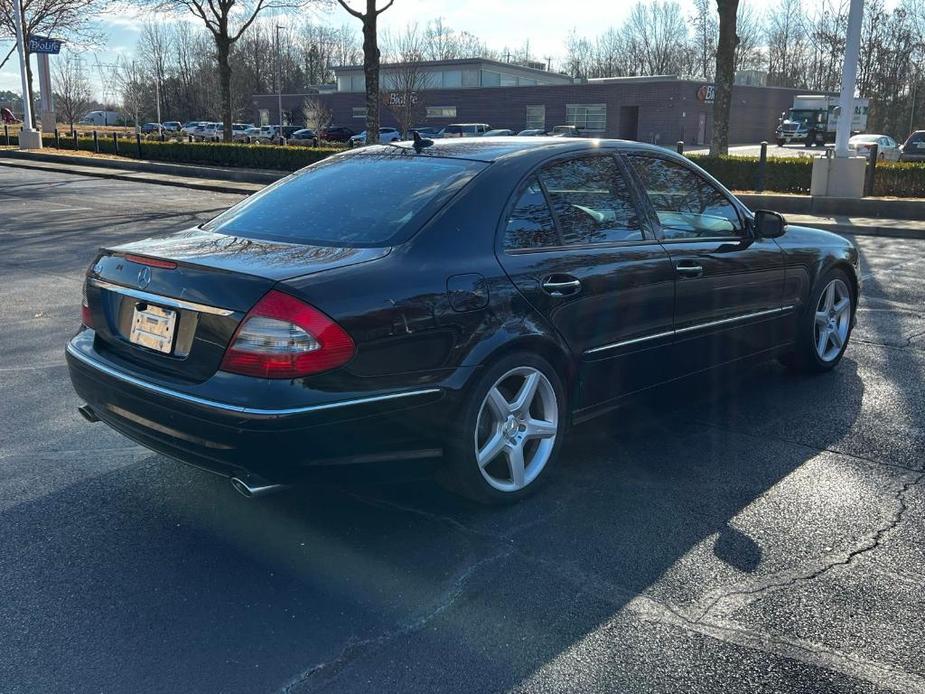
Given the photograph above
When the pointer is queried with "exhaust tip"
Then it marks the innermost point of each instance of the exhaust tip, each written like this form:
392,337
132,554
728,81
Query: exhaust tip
251,486
87,413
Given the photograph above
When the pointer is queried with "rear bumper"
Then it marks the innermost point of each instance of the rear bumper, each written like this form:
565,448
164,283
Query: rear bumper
230,438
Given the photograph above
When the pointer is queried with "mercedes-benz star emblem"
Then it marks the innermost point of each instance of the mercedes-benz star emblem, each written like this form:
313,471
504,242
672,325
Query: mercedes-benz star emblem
144,277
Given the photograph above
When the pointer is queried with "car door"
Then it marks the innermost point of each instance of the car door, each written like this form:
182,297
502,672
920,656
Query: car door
729,284
574,243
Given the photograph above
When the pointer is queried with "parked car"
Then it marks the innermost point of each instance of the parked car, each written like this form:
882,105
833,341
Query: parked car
304,136
501,132
385,135
252,135
532,132
6,115
913,148
207,132
379,306
190,126
465,130
428,131
566,131
172,126
152,128
336,133
887,147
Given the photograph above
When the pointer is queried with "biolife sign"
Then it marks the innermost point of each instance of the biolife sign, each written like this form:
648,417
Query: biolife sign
44,44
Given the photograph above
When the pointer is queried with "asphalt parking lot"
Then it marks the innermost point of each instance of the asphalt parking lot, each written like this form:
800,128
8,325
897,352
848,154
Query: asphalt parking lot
788,150
750,532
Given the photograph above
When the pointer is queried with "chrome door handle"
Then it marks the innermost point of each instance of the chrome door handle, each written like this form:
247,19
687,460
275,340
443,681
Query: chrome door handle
689,270
562,285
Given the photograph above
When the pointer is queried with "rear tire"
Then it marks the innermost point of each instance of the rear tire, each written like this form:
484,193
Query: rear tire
509,431
824,326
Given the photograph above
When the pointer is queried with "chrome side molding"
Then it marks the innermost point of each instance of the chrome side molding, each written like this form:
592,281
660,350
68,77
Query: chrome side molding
690,328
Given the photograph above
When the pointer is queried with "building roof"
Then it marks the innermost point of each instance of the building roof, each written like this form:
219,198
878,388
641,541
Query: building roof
461,62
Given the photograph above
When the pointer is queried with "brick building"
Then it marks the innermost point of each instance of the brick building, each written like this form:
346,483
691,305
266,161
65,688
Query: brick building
660,109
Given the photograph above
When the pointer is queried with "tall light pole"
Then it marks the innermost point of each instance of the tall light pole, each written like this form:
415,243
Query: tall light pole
28,137
849,79
279,82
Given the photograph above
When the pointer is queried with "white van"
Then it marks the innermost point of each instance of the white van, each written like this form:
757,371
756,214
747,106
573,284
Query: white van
102,118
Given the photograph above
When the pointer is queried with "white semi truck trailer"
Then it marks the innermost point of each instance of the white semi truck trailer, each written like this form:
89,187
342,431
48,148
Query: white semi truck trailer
813,119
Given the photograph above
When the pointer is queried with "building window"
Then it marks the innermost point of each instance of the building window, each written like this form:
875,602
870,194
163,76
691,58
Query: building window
591,117
536,118
470,78
358,83
526,82
452,79
508,80
441,112
359,112
491,79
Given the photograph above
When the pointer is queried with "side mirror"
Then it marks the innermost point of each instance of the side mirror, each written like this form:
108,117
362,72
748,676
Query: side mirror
768,224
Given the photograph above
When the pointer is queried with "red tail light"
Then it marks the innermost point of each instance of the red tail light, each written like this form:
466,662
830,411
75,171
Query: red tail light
152,262
282,337
85,317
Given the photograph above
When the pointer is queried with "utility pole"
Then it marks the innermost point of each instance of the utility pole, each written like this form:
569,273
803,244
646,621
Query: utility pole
157,98
28,138
279,82
849,79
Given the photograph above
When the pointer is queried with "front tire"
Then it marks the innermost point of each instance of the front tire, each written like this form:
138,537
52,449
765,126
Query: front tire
824,327
510,431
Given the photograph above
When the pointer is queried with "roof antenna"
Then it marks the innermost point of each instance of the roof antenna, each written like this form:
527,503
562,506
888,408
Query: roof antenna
420,142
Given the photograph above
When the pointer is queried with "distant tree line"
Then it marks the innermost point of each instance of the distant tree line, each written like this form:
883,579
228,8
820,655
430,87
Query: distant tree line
798,44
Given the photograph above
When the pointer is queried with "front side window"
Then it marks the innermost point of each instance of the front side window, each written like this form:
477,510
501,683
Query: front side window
535,118
531,224
591,201
687,205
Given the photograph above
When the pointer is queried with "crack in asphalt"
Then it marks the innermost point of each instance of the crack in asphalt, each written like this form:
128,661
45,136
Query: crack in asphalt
725,601
354,650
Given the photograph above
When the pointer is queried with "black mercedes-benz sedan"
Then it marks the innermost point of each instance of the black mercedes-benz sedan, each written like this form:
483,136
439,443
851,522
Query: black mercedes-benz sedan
464,300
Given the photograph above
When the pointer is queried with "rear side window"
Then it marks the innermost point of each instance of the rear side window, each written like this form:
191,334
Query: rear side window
592,201
363,200
531,224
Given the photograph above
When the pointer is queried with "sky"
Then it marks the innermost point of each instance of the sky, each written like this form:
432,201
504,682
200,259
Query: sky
499,23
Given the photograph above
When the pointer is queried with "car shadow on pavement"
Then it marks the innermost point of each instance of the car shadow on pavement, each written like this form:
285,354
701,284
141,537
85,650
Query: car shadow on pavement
158,576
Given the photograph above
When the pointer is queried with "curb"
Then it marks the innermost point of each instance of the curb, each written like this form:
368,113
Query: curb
191,183
213,173
857,230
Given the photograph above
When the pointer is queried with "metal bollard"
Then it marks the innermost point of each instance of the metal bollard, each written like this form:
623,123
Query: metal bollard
138,143
762,167
680,146
161,136
190,138
57,139
96,142
6,134
870,174
115,143
74,135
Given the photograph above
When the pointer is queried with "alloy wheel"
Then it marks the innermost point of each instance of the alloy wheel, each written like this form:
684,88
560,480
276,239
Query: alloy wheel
833,320
516,429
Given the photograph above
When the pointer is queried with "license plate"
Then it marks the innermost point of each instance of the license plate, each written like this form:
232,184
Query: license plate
153,327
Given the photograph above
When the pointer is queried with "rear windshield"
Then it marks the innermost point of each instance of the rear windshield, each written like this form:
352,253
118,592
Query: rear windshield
363,200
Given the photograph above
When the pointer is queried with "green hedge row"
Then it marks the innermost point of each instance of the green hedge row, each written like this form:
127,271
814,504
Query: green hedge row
900,179
782,175
288,158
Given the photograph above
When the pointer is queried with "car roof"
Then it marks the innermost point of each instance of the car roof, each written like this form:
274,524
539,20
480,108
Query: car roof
495,148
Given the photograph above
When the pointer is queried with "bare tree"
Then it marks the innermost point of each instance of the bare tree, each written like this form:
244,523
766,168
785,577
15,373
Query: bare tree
370,62
73,89
131,84
226,21
153,52
725,75
656,33
317,115
705,37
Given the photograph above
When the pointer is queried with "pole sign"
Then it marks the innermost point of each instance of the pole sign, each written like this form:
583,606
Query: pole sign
44,44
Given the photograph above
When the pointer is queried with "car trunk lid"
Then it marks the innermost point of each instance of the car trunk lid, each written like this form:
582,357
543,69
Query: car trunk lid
171,305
